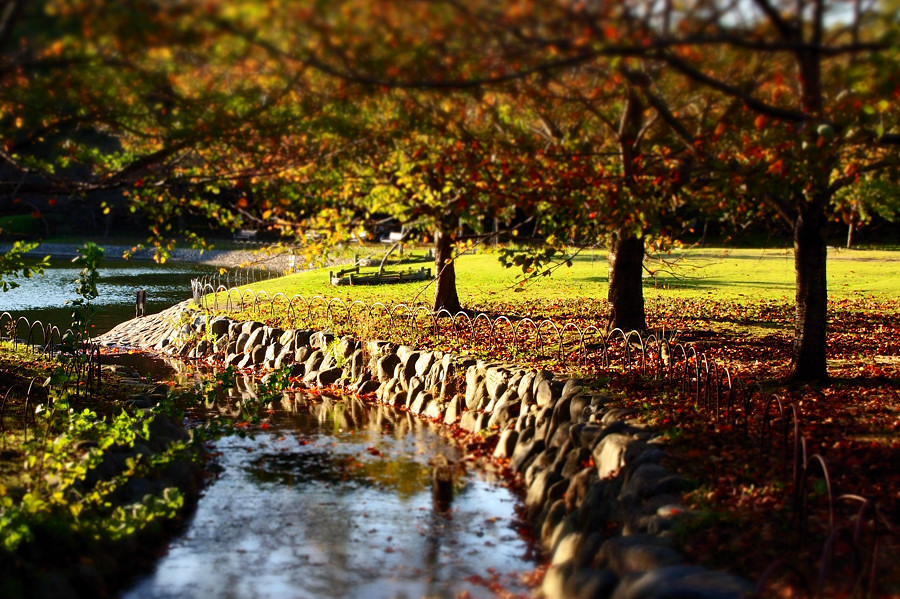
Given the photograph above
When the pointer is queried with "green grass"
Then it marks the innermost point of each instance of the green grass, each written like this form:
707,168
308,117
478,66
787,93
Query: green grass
769,274
709,273
20,225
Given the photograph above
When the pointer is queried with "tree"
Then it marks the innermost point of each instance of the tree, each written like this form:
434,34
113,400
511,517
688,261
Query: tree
858,203
438,177
816,94
614,129
146,107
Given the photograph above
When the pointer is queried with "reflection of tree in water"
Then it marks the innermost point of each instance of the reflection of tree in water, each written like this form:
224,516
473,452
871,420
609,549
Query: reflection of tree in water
316,464
347,464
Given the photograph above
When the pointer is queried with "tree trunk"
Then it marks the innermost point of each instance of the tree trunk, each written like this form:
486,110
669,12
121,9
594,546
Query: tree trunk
808,362
445,296
626,250
810,253
626,288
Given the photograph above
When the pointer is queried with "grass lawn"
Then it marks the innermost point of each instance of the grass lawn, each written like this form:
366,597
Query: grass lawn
726,274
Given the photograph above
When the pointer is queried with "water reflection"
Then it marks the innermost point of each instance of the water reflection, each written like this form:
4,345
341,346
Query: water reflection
334,499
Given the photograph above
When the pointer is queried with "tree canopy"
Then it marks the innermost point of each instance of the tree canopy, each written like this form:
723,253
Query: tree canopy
611,121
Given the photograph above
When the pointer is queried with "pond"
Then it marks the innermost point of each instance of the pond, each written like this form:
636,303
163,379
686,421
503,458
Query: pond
45,297
331,497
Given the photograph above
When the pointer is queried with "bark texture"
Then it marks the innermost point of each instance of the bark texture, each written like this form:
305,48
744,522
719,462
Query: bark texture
445,295
810,253
626,292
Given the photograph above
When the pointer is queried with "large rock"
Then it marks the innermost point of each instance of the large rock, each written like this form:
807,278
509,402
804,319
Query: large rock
571,388
545,394
424,363
539,490
496,381
539,377
502,414
524,390
346,347
286,356
368,387
329,376
609,454
321,339
241,343
386,366
651,479
256,337
257,354
636,554
355,364
272,334
219,326
682,582
451,414
314,360
273,351
506,444
288,338
302,354
525,453
434,410
250,326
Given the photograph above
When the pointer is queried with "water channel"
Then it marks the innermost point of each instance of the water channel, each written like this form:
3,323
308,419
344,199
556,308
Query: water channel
334,498
328,497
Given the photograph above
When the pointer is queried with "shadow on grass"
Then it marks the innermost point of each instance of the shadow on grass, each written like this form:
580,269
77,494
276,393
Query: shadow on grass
714,286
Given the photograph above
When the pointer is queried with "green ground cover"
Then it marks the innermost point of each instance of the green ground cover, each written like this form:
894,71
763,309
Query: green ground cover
709,273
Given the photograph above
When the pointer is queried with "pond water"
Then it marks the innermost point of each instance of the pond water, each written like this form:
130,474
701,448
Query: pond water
45,297
335,498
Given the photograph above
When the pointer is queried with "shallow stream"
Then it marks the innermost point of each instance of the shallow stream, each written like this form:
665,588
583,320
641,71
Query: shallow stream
331,497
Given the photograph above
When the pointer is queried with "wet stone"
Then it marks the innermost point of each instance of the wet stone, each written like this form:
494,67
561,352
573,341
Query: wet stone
386,367
636,554
370,386
609,454
451,415
525,453
682,581
506,444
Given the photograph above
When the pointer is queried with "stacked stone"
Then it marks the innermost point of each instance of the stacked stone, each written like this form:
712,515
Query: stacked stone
602,504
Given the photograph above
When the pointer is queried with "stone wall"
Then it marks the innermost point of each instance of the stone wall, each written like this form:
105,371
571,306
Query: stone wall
602,505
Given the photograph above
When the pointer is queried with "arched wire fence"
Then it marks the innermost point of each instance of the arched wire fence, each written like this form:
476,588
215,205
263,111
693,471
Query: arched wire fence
238,277
78,356
731,403
24,410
